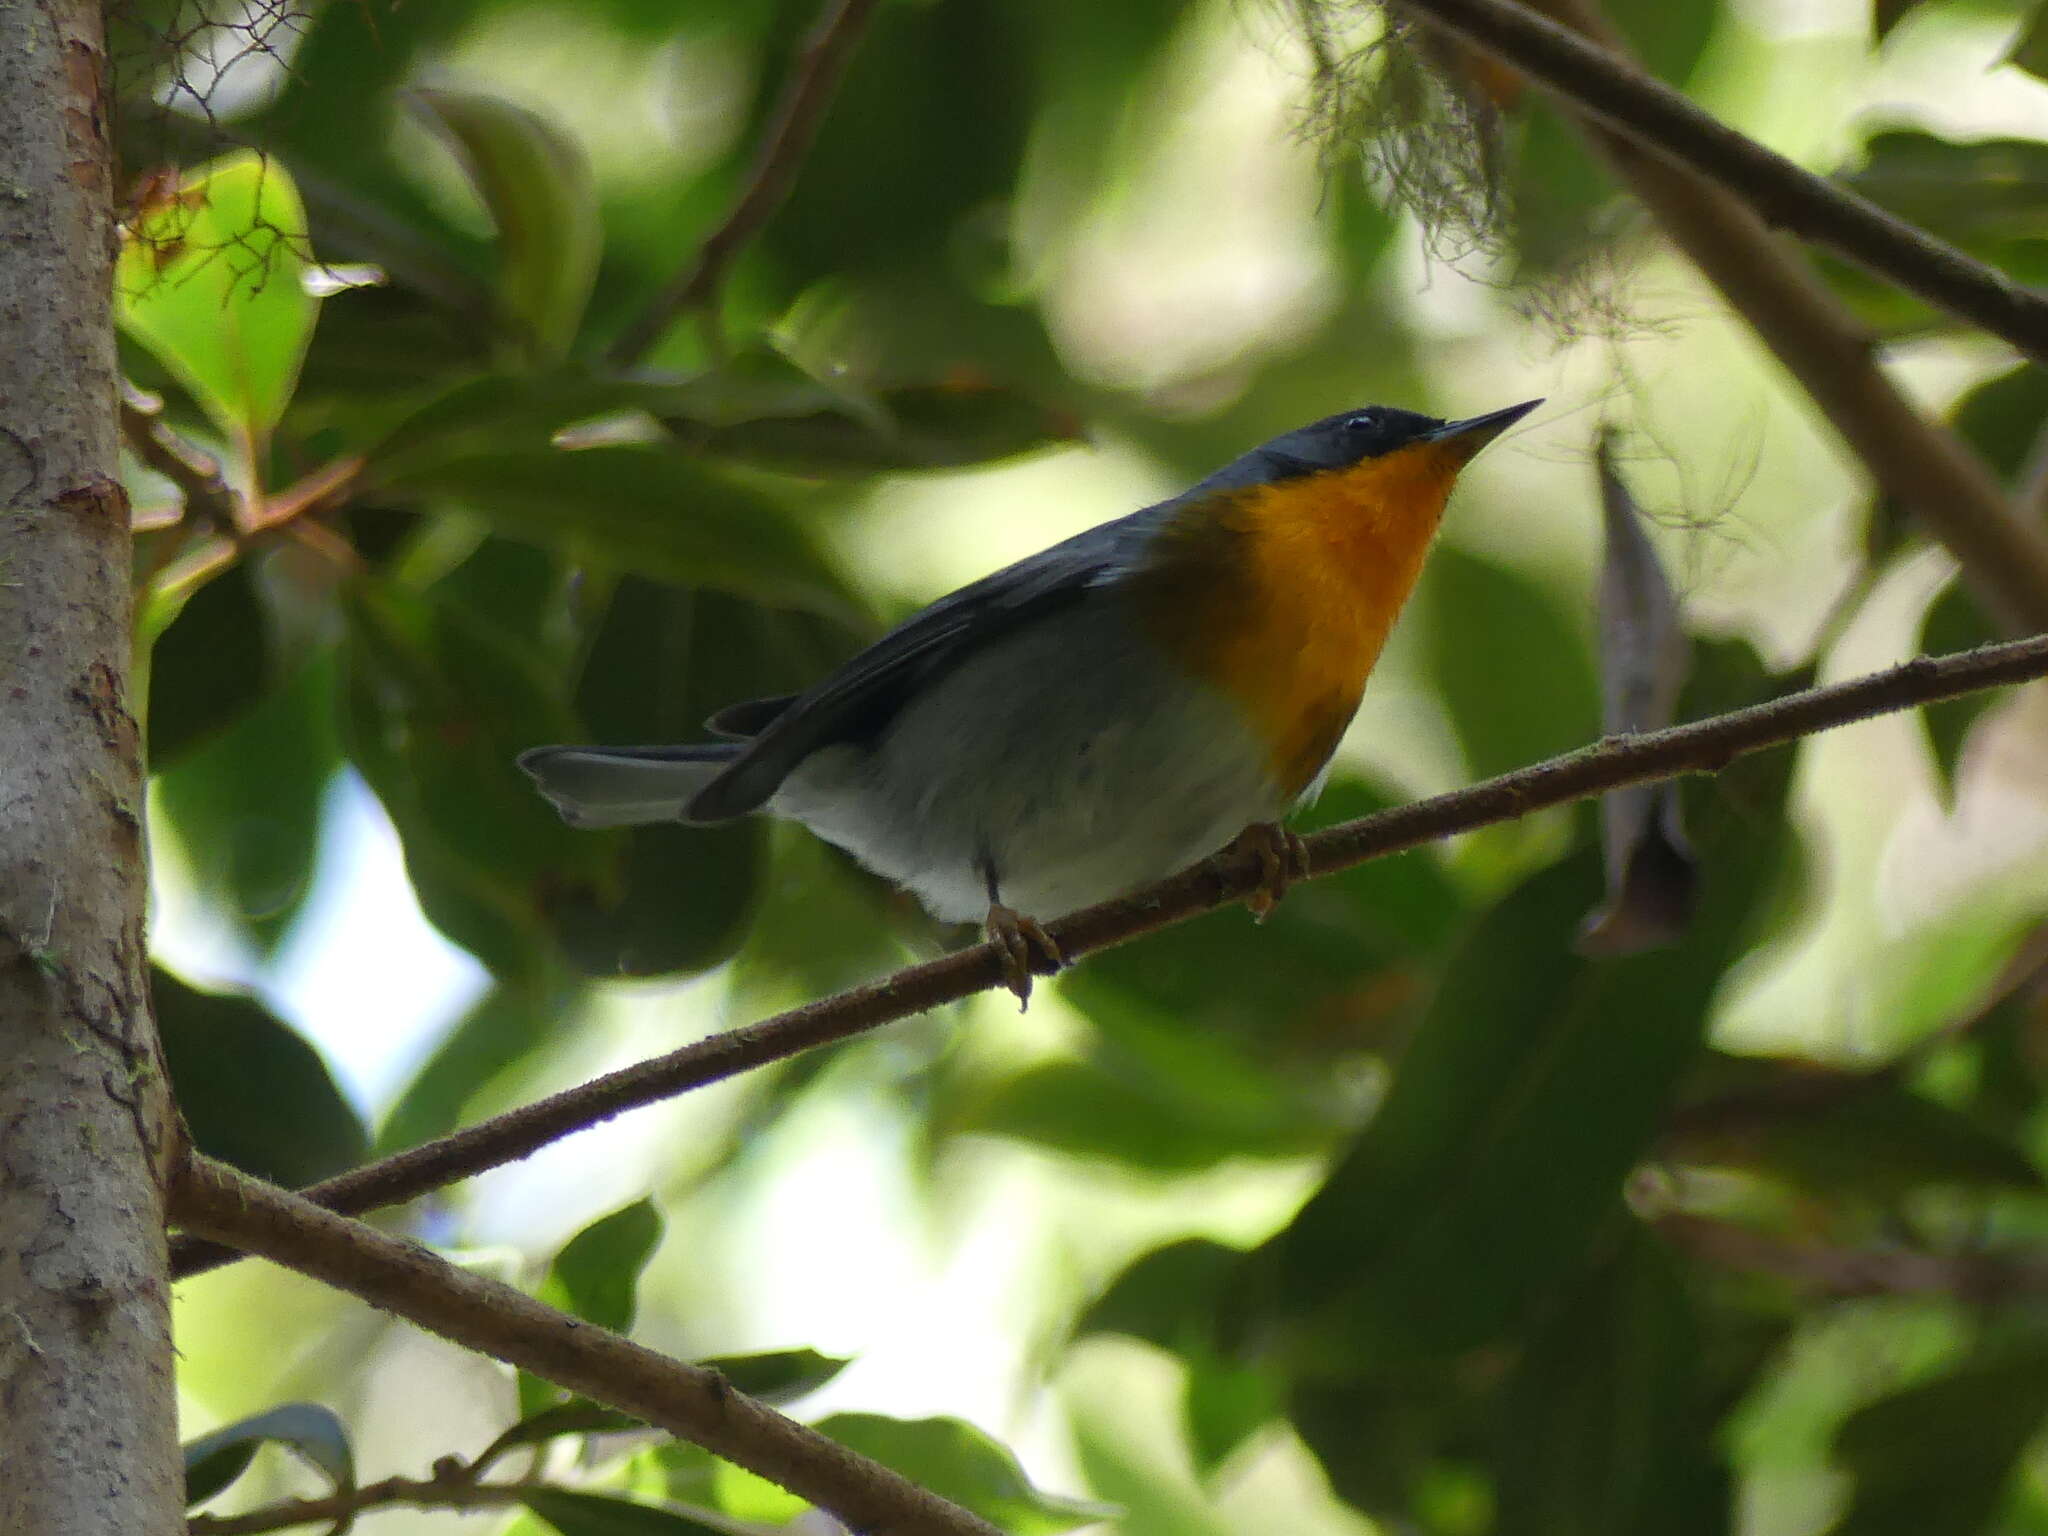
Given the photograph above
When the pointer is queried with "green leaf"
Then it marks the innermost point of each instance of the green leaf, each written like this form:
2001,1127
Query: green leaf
212,284
505,1027
311,1431
780,1375
252,836
1941,1455
296,1129
1988,197
1606,1425
660,662
1872,1139
1081,1109
537,184
493,413
1431,1235
1170,1297
958,1462
440,703
576,1416
1955,621
597,1271
575,1513
208,667
596,1276
2030,49
1514,673
941,426
645,510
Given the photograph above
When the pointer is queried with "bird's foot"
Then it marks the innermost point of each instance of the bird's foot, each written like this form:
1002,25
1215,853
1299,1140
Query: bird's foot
1283,859
1020,940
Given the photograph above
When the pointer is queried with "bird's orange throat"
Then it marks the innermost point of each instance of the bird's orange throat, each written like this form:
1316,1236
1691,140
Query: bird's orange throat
1281,596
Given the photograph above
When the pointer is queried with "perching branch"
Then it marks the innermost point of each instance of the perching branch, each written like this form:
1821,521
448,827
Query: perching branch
1788,195
1919,463
497,1320
1704,746
820,65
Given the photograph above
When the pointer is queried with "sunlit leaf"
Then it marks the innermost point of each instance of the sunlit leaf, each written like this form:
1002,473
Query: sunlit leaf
211,281
778,1376
219,1046
597,1272
536,182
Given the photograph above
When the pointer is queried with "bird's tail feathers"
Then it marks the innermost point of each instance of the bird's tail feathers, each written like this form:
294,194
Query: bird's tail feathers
625,786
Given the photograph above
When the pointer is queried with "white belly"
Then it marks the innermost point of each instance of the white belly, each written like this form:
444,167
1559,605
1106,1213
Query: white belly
1074,782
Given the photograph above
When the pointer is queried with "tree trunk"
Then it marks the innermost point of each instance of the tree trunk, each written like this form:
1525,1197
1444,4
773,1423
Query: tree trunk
87,1434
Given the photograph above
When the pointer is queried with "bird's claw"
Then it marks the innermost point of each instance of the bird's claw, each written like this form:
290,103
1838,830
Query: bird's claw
1283,859
1019,940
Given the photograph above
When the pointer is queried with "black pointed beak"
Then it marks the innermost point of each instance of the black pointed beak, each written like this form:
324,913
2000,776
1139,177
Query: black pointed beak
1467,437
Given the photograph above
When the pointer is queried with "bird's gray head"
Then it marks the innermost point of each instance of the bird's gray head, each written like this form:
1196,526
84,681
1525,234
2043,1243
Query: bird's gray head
1350,437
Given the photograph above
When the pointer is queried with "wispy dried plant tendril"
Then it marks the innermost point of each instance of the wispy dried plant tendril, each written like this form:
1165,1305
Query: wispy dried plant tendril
1430,140
1419,111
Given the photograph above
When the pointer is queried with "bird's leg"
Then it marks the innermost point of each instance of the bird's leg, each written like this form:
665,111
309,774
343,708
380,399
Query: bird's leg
1020,939
1283,859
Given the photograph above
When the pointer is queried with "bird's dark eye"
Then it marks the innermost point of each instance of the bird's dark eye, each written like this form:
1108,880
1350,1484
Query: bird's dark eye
1362,421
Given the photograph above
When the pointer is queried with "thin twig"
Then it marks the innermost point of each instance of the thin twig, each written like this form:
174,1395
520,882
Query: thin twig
1969,1277
1921,464
208,497
457,1491
814,76
1705,746
1787,194
505,1323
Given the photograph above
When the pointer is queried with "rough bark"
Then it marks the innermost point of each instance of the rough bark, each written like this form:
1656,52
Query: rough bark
87,1431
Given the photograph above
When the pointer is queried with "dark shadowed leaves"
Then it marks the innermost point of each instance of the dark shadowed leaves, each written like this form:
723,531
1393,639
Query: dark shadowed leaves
252,1091
1535,1082
574,1512
1941,1455
245,803
1652,879
1511,669
647,510
1606,1426
208,668
439,703
537,185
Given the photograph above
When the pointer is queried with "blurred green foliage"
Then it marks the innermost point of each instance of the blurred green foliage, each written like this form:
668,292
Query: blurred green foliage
1543,1240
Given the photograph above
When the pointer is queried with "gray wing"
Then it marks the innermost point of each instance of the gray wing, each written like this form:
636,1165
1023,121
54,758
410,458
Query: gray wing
859,700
